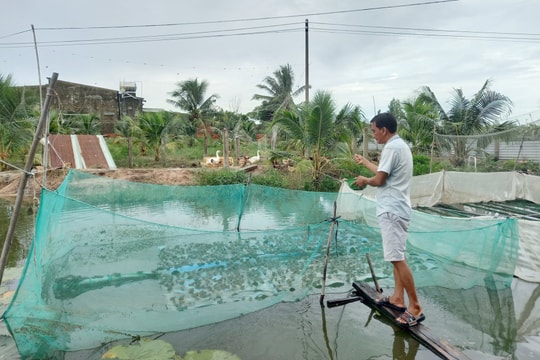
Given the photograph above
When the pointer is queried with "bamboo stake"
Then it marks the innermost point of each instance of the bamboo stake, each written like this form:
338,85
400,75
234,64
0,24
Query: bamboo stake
379,290
28,167
329,241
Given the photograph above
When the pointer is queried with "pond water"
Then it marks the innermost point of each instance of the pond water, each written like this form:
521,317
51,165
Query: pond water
484,324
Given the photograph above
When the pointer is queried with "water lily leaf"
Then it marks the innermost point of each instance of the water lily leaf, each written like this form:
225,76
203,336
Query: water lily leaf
145,349
210,355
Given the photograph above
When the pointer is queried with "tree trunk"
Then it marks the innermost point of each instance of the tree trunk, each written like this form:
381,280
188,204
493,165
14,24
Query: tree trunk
365,142
236,150
156,153
130,152
225,148
205,144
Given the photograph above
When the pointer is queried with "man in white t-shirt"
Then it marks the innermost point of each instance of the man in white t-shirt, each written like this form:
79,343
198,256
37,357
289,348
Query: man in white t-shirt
392,177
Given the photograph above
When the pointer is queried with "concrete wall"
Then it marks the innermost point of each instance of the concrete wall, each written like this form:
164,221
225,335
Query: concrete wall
109,105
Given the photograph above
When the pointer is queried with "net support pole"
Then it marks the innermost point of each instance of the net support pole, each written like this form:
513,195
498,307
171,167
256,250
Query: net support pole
27,171
373,276
328,242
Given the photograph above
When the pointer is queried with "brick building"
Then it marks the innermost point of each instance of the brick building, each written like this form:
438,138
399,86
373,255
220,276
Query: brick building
109,105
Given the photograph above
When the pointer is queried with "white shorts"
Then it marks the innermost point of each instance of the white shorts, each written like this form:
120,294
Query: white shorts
394,230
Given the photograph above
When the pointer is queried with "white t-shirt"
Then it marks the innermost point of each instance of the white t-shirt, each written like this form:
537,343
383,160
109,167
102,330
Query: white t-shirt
395,195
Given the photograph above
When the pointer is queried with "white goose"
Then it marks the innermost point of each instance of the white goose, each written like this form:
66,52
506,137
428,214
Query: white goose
254,159
213,160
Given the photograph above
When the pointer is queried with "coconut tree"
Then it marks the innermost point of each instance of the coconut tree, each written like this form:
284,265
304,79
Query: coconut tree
59,123
238,126
155,127
417,122
128,128
318,129
477,115
87,124
279,96
190,96
16,122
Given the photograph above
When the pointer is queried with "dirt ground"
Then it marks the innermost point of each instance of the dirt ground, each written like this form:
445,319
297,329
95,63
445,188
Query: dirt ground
10,180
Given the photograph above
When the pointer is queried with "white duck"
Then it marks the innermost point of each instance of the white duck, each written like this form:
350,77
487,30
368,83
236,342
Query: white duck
254,159
213,160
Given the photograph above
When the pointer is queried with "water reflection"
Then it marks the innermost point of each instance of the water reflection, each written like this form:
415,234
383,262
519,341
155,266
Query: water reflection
481,322
404,346
220,208
490,312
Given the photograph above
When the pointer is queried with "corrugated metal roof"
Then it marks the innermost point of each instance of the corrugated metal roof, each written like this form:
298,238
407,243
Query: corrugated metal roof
79,152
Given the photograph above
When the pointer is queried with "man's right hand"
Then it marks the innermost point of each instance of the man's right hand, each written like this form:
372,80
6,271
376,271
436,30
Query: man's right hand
359,159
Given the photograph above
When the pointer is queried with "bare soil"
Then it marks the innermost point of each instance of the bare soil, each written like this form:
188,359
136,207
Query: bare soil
11,180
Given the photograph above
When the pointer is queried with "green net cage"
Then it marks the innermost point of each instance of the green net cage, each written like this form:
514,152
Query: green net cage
113,259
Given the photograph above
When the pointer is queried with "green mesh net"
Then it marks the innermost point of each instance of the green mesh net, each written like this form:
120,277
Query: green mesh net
113,259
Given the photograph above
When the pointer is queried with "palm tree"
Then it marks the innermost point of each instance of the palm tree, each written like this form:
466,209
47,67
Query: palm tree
87,124
155,127
58,124
469,117
16,121
417,122
280,92
318,130
128,129
190,96
238,125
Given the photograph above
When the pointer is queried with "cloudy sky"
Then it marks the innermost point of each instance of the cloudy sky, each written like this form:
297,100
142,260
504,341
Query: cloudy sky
364,52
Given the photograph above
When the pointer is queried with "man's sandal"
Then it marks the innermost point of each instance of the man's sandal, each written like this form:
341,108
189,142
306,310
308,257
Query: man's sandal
409,320
385,301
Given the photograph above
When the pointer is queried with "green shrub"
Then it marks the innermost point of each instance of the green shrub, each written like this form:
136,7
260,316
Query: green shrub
348,168
271,177
422,165
323,184
221,177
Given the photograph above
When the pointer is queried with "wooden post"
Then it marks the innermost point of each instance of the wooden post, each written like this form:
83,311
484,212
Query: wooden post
365,144
236,150
28,167
225,148
373,276
306,62
328,242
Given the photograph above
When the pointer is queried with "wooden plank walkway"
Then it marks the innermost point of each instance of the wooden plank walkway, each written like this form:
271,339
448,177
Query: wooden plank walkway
420,332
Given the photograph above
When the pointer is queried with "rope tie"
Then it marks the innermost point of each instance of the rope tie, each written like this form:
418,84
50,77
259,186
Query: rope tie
16,167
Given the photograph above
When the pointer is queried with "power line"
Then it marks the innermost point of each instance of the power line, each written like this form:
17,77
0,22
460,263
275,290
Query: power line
165,37
144,39
293,27
14,34
429,29
249,19
277,28
338,28
433,35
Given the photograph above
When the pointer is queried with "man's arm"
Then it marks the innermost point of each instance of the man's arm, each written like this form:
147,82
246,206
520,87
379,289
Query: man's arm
379,177
377,180
360,160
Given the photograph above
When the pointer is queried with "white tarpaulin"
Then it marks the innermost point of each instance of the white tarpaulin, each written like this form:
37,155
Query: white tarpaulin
466,187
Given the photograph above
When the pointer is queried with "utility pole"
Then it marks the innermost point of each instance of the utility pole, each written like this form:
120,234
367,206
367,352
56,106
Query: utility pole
46,130
38,69
307,63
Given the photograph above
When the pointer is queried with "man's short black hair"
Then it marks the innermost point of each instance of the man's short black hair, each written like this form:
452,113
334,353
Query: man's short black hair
385,120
